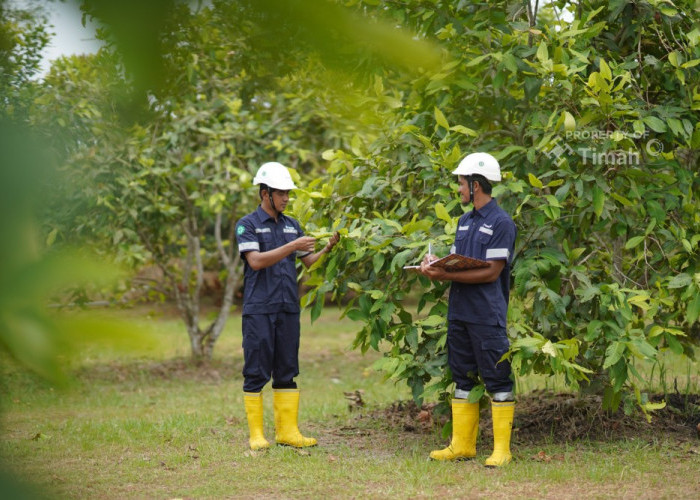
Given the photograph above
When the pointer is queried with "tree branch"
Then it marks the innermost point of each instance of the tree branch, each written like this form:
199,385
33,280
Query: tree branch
219,244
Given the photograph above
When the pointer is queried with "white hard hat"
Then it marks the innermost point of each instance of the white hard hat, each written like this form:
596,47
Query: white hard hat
480,163
274,175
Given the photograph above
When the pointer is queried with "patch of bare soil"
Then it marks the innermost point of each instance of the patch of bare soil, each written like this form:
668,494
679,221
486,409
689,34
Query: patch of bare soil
179,369
541,416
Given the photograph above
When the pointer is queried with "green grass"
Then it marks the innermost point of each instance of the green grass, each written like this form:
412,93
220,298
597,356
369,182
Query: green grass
147,425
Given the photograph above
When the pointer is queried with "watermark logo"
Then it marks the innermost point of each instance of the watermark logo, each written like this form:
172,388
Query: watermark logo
561,148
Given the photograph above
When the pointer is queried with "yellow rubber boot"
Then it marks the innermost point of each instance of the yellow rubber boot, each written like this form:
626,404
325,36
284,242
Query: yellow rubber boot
502,413
465,423
286,403
254,411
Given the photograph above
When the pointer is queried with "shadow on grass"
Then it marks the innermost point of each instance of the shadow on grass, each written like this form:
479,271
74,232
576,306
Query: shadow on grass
176,369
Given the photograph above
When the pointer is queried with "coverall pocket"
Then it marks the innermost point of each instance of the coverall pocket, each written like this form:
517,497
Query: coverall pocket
496,373
493,349
498,346
483,238
266,242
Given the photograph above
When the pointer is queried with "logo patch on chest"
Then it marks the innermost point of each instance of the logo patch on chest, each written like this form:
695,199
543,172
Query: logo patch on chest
290,230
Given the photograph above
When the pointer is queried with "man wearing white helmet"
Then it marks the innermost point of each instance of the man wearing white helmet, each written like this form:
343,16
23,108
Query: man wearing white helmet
270,242
477,308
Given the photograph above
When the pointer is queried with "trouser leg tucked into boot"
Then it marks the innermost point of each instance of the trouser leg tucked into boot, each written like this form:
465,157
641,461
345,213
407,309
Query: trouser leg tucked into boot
465,423
286,403
254,411
502,413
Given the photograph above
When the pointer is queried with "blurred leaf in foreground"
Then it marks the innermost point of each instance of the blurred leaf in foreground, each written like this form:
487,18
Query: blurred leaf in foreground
28,331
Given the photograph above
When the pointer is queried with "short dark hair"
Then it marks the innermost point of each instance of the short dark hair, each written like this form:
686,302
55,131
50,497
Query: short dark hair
483,182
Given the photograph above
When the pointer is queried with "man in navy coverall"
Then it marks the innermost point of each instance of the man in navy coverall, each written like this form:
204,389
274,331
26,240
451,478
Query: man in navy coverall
477,308
270,242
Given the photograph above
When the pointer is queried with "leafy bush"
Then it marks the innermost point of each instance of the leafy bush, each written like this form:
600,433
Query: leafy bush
596,124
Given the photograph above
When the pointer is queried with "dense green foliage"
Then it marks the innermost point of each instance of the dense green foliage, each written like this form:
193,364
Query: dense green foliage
595,122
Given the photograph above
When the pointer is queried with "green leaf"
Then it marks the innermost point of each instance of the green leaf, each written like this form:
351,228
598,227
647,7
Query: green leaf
442,212
638,127
476,60
693,310
681,280
690,64
532,87
432,321
621,199
555,183
440,119
655,124
542,53
476,393
613,354
464,130
673,344
633,242
605,70
569,122
673,58
655,331
548,348
534,181
611,399
356,315
649,406
598,200
51,238
318,307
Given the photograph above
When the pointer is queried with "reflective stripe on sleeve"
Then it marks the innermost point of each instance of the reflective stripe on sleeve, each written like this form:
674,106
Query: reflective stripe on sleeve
497,253
250,245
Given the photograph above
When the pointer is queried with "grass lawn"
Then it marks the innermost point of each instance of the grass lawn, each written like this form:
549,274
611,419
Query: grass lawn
149,425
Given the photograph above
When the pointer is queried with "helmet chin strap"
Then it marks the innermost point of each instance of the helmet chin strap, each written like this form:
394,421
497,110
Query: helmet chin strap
272,202
471,190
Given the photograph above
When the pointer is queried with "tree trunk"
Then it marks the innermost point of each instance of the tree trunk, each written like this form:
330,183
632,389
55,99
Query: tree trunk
196,344
232,281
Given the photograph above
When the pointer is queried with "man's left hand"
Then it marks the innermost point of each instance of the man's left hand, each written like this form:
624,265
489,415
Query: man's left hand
434,273
333,241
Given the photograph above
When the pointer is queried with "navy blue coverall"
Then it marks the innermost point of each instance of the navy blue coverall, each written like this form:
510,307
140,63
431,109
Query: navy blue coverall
271,309
476,332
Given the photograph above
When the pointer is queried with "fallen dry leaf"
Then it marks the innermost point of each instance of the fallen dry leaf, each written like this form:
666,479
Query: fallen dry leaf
424,416
542,457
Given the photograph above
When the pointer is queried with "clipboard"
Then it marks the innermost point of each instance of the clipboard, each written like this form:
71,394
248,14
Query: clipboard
454,262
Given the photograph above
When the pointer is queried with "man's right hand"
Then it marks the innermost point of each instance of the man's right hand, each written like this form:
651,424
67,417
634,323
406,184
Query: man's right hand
305,244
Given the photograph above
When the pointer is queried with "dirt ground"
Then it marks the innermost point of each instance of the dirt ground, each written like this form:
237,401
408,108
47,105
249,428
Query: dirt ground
542,416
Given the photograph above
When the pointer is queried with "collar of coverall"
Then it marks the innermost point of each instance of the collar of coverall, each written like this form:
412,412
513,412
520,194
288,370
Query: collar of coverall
263,215
488,208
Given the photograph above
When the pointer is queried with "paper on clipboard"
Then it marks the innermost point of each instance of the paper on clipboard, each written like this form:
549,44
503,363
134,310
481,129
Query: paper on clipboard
454,262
